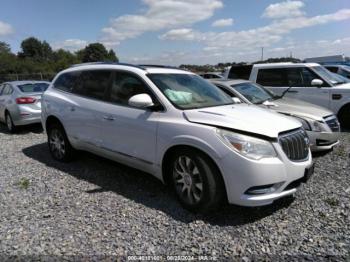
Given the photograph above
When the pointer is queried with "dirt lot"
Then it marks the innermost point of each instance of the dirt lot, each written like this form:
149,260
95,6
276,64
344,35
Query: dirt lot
94,208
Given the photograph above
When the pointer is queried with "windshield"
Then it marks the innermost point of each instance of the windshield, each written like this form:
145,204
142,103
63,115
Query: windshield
33,87
187,91
326,74
254,93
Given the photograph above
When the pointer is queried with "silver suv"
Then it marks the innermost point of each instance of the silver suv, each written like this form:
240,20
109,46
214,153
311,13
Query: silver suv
180,128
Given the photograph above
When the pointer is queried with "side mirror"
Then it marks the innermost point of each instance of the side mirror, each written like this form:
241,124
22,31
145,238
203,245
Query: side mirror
317,82
236,100
140,101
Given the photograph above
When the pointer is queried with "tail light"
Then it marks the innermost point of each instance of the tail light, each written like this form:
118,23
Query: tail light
25,100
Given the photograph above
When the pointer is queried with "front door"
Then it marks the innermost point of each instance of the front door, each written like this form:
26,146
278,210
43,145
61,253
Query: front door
129,131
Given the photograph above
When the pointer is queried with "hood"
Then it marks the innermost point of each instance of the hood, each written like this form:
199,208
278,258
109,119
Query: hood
243,117
343,87
299,108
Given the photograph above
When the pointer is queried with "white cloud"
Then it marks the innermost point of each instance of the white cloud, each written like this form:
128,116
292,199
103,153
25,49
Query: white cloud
70,44
284,9
253,38
223,22
160,14
5,29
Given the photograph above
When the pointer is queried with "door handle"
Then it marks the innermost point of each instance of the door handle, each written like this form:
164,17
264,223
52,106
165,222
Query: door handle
72,108
109,118
293,91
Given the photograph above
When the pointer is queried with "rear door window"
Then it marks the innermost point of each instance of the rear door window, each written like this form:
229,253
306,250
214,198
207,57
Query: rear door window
272,77
7,90
66,81
93,84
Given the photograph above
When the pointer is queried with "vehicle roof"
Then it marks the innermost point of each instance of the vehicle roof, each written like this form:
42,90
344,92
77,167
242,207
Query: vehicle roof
153,69
23,82
230,82
287,64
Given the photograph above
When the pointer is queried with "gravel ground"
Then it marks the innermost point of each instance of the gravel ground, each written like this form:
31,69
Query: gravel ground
94,208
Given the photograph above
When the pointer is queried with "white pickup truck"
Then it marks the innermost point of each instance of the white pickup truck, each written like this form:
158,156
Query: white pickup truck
306,81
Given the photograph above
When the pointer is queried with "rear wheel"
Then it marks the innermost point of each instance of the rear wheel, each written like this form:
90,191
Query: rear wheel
59,145
9,123
196,181
344,116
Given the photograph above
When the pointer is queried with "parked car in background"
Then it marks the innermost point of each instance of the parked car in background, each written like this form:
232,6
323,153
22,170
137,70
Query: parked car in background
342,70
180,128
305,81
332,59
212,75
20,103
321,125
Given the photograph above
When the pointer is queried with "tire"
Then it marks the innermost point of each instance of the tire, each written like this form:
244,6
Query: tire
11,128
344,116
59,145
196,181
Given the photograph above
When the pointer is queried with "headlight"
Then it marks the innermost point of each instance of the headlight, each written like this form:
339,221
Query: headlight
247,146
304,123
310,124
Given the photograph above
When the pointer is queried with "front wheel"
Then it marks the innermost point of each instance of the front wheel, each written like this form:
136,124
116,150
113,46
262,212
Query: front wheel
196,181
59,145
344,116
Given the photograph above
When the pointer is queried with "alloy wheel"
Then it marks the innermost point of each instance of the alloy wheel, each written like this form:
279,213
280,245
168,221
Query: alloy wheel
57,144
188,180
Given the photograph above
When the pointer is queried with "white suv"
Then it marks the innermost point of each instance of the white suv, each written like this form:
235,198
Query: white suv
180,128
306,81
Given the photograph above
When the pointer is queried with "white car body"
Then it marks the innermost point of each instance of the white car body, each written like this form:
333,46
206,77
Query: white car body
141,138
335,97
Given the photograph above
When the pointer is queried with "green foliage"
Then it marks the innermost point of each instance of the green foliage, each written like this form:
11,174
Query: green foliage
37,58
4,48
96,52
35,49
23,183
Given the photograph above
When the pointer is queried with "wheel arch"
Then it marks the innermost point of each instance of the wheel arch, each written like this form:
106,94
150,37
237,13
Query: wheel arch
341,112
175,148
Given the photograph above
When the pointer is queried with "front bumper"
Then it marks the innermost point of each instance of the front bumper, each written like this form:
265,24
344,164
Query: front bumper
321,141
270,171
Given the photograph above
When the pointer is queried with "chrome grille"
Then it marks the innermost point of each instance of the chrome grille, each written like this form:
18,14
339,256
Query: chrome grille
333,123
295,144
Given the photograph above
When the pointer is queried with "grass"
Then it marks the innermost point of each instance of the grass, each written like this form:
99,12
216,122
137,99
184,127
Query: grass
23,183
332,201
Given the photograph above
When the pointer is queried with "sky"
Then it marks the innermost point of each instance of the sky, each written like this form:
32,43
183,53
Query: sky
177,32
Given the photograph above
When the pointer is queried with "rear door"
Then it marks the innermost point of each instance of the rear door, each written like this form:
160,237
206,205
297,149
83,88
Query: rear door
81,106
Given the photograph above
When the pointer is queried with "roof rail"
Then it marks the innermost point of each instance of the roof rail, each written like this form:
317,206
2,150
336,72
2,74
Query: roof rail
160,66
106,63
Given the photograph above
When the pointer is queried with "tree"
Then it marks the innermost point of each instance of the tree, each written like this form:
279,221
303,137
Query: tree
4,48
62,59
35,49
95,52
112,57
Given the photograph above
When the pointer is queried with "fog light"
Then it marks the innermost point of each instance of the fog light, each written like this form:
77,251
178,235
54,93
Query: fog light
264,189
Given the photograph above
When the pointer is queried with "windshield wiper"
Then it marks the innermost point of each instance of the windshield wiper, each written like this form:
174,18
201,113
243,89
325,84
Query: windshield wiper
284,92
